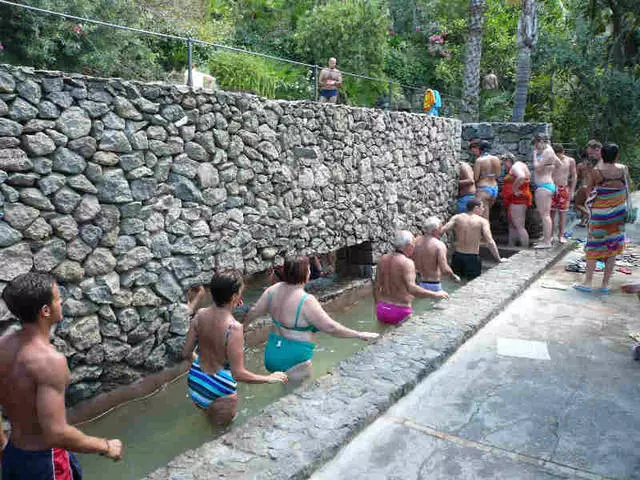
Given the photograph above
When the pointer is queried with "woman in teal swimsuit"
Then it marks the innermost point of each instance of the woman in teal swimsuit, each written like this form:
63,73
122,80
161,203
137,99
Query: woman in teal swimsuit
296,317
219,365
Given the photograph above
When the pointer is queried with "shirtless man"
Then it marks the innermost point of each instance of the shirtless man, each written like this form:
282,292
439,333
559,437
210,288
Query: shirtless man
565,179
471,228
584,169
466,187
33,377
329,81
544,163
430,257
395,284
485,171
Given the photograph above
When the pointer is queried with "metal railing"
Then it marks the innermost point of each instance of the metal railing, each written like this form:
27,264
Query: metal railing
453,102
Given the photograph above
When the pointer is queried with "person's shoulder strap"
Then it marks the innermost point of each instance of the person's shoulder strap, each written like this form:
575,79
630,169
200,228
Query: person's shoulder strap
300,304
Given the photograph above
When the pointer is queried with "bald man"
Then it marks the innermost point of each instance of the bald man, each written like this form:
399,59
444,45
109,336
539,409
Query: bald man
329,82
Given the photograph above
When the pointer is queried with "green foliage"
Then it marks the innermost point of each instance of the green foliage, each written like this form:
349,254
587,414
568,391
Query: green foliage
45,41
240,72
353,31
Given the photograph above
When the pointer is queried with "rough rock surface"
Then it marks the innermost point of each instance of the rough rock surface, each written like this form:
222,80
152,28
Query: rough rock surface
159,188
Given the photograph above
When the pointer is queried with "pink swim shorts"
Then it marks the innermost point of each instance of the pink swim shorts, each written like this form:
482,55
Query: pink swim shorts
392,314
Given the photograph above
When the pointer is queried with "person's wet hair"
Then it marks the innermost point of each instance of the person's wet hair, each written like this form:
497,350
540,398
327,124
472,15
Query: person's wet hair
223,286
483,145
295,270
610,152
26,294
594,144
473,203
540,137
508,157
557,148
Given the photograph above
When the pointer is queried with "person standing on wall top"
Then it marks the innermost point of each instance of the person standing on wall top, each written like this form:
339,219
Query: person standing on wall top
466,187
395,283
486,171
565,178
33,378
330,81
430,257
544,164
471,228
517,198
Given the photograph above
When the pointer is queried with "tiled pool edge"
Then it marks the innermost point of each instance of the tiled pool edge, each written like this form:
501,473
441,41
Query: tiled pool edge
298,433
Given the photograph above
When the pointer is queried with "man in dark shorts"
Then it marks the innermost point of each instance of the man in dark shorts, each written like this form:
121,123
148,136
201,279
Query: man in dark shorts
471,228
330,81
33,378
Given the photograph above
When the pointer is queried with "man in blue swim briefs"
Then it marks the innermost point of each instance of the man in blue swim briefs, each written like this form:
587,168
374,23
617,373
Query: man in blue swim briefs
466,187
544,163
329,81
430,257
33,378
486,171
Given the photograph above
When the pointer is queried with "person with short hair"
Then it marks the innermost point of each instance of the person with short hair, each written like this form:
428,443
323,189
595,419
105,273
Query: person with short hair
486,170
296,316
395,283
470,228
33,378
430,257
608,210
516,197
565,179
329,81
544,163
219,365
466,187
592,157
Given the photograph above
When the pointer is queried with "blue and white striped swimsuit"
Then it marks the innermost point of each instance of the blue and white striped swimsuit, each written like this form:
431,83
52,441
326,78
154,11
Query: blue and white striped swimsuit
205,388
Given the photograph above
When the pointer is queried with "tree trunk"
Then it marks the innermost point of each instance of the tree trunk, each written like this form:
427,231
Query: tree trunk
527,38
471,94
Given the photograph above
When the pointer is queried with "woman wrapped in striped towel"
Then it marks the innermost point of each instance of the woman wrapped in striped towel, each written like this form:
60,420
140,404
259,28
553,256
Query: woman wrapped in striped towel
607,205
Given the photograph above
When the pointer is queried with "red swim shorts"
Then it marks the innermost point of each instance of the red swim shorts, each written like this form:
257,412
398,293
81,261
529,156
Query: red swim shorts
561,199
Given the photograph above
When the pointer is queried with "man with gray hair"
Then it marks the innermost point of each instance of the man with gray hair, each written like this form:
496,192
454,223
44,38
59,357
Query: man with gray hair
395,283
430,257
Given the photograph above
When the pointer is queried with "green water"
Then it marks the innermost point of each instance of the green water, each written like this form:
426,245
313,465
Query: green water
158,428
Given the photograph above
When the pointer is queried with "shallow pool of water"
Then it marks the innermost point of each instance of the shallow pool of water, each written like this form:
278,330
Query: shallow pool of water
166,424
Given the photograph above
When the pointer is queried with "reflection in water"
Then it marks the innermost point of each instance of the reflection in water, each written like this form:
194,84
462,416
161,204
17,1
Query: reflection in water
158,428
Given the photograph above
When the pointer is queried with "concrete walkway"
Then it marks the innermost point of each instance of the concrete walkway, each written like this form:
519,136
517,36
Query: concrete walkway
548,389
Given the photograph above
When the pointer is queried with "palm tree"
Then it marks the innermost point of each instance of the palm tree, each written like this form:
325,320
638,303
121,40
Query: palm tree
527,38
470,97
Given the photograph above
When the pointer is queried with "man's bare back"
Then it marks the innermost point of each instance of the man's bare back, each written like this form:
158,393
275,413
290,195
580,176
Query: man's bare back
430,257
393,269
469,230
466,184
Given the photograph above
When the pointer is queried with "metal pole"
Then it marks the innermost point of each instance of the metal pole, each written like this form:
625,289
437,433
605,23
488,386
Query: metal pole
189,64
390,94
315,83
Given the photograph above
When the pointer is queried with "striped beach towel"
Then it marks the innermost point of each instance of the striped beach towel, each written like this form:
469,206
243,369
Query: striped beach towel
608,210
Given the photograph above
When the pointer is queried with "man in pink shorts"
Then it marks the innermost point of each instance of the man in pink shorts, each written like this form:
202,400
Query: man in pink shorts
395,284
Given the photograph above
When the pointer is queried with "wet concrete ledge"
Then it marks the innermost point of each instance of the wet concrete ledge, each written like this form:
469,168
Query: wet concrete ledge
298,433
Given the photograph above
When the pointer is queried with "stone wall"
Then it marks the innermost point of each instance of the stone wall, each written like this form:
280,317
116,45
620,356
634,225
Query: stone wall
507,137
129,193
504,137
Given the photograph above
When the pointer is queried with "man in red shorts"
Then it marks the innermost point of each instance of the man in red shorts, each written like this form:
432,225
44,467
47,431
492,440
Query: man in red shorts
33,377
564,171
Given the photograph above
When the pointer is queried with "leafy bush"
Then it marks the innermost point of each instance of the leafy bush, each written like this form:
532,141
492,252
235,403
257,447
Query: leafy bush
268,78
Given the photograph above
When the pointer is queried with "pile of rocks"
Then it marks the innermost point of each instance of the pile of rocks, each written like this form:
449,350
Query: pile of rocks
130,193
